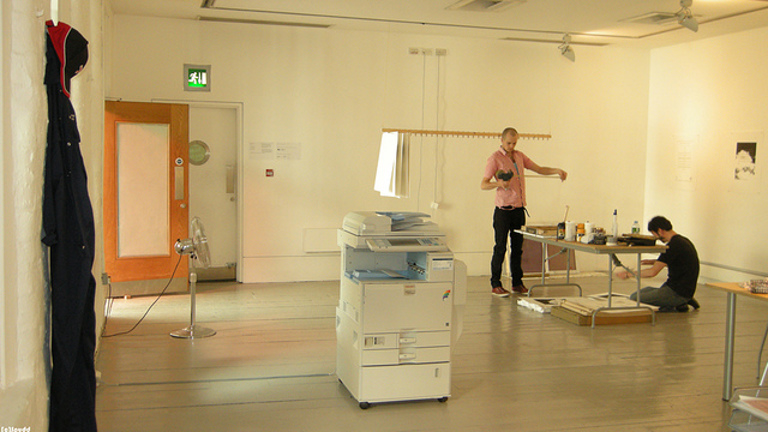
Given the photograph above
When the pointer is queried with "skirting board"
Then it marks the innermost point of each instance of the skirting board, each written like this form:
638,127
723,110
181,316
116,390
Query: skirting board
148,287
221,273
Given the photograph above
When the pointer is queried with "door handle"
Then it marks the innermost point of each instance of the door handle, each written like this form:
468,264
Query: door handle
178,182
231,177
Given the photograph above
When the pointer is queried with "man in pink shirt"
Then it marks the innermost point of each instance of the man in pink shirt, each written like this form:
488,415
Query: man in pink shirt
505,173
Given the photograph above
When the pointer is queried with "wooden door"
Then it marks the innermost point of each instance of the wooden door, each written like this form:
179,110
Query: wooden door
146,198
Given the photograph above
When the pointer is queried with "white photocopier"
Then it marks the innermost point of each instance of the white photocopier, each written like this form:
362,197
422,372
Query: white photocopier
400,308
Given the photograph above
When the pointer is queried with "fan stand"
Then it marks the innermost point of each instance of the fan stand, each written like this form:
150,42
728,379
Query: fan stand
192,331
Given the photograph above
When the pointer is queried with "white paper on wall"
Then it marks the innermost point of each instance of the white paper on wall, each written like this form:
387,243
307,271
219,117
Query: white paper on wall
392,171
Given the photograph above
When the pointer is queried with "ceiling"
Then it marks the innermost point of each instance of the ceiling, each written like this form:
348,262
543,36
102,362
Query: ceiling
589,22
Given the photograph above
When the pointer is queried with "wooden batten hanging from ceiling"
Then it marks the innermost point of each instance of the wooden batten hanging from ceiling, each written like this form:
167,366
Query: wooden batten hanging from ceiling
464,134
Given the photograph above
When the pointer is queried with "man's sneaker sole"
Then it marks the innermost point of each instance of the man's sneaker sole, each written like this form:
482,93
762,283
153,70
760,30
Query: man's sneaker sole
501,293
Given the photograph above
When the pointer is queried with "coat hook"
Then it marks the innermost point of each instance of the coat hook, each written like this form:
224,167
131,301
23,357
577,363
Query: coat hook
55,12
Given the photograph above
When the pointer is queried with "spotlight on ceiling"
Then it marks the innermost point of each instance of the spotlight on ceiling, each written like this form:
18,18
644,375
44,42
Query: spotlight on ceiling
565,48
685,17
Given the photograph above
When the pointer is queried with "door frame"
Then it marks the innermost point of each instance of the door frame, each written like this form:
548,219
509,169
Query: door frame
238,107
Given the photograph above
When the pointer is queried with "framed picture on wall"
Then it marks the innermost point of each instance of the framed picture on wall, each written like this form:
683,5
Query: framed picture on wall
745,161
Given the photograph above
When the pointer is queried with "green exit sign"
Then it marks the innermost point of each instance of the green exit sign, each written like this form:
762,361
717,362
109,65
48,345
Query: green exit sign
197,77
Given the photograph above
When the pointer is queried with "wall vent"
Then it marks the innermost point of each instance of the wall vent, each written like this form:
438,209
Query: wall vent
484,5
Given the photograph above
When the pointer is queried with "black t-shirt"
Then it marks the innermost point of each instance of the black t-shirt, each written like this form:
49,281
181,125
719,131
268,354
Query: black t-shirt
682,265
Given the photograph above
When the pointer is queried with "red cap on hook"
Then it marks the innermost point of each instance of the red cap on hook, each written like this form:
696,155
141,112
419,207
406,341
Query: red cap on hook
72,50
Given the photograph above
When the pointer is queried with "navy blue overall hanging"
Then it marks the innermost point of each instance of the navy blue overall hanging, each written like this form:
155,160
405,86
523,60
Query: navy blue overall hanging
68,231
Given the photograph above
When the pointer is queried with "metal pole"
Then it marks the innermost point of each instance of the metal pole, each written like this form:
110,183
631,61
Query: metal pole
637,276
730,327
193,303
192,332
543,261
610,280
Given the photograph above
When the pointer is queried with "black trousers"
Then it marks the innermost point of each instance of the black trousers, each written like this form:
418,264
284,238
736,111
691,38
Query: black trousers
505,222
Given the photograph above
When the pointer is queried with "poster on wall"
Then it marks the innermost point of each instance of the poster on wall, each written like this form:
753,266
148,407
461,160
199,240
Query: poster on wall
288,151
684,161
745,169
744,164
274,151
261,151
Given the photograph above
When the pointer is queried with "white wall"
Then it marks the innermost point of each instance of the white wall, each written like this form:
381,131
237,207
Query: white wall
332,91
23,396
712,95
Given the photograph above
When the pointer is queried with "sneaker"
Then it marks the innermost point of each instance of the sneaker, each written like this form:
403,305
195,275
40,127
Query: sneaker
521,289
694,304
499,292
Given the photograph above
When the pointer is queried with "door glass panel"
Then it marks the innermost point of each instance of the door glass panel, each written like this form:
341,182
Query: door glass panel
143,219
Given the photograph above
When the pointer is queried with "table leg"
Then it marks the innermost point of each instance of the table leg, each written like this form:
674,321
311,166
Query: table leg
610,279
639,284
610,291
730,327
543,262
637,276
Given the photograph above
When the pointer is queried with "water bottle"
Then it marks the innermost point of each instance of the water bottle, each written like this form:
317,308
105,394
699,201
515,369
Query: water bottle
615,230
635,228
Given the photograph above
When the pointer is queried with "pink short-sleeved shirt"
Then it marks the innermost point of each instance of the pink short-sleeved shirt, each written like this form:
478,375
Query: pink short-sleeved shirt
499,160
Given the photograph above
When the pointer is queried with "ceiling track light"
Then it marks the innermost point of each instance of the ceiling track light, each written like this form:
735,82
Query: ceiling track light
685,17
565,48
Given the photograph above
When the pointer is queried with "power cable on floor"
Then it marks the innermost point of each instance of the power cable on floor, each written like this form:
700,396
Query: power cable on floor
109,308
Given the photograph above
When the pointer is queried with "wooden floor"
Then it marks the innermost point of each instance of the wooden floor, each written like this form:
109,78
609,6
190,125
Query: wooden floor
271,367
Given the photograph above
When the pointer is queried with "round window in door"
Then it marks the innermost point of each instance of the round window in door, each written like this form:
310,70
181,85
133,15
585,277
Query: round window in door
199,152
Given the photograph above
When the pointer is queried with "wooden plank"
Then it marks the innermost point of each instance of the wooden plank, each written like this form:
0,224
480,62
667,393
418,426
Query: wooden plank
605,318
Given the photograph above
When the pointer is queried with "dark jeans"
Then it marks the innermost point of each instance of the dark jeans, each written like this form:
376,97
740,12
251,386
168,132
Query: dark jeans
505,222
663,297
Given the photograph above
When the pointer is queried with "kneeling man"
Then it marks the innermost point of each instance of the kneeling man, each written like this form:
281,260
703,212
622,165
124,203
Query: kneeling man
682,263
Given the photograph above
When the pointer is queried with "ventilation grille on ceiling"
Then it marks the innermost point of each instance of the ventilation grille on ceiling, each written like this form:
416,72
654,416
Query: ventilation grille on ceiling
655,18
484,5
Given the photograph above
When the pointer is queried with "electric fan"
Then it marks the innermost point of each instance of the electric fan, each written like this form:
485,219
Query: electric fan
197,248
